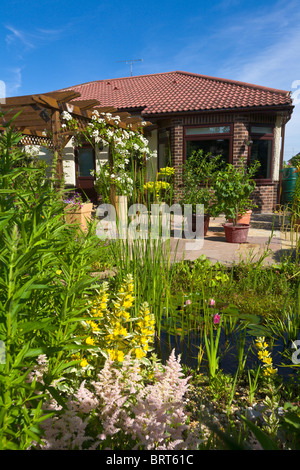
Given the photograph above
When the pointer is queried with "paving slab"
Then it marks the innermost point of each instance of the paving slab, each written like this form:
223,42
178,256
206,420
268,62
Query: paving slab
264,243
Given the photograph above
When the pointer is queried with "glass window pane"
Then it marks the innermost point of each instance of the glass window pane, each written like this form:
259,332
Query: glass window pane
85,161
215,147
207,130
261,130
261,150
162,155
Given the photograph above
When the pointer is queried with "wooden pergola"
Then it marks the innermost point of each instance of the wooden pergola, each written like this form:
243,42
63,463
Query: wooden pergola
38,118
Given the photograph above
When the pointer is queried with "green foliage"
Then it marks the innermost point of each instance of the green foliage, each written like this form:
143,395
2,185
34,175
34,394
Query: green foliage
198,178
44,284
233,188
295,160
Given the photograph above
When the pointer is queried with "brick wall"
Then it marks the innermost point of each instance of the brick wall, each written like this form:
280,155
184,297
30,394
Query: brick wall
265,195
240,133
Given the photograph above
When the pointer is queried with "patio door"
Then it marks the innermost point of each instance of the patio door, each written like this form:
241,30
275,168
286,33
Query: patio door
84,164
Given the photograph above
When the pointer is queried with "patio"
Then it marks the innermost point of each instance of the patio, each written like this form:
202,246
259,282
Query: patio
266,231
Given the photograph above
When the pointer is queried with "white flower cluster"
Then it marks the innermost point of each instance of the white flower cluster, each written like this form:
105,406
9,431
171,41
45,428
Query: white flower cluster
124,143
66,116
32,150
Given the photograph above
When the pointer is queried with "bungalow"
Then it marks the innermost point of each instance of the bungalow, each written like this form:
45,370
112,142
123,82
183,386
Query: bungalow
189,112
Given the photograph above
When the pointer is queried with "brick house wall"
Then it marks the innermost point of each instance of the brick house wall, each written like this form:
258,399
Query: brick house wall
266,193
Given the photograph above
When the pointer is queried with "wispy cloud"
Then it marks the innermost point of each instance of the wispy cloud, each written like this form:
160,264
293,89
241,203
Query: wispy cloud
14,83
275,63
16,35
33,38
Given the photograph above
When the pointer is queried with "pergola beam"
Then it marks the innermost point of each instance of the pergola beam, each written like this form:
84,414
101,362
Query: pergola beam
39,117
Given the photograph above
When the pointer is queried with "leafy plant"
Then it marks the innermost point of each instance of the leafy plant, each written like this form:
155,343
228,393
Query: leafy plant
198,178
44,284
233,188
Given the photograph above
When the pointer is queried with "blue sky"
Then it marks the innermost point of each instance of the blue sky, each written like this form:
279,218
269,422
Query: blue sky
48,45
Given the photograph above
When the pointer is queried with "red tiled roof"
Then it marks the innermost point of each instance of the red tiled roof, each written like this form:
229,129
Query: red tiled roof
174,92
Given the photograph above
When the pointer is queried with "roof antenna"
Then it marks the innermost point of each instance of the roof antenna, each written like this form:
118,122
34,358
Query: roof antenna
130,61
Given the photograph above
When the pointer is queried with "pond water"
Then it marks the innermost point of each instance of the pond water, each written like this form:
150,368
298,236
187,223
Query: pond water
188,348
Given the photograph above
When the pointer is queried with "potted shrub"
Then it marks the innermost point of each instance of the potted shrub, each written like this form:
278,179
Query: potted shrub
77,211
198,175
233,188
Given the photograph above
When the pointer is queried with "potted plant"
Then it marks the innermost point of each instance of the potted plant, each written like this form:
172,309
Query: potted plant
77,211
233,187
198,176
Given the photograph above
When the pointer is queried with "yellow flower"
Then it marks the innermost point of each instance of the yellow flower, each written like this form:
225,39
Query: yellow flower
84,363
143,340
90,341
126,315
145,331
265,357
262,355
139,353
270,371
120,356
93,325
119,330
99,313
116,355
268,360
128,301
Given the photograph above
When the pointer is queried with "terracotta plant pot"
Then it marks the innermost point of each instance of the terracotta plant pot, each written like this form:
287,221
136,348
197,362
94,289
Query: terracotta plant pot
80,216
236,233
243,219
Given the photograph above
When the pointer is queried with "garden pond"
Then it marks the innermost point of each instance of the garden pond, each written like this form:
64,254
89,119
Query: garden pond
185,326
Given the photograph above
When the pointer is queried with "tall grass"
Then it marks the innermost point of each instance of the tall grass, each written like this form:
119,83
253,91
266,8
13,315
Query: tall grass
149,261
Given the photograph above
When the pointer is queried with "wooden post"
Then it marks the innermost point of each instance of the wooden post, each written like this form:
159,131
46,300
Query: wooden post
112,186
57,147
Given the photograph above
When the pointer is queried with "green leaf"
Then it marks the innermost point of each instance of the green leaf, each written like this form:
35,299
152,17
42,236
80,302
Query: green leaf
43,350
258,330
292,420
263,438
251,318
26,327
54,393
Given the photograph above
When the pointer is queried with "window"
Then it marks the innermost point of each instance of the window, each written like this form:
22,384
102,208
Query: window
261,149
211,139
207,130
164,152
85,161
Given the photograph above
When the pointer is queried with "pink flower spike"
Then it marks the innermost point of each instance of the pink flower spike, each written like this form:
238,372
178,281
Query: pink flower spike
188,302
217,319
211,302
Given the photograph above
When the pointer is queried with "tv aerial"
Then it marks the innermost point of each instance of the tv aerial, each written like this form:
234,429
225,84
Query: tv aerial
130,61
